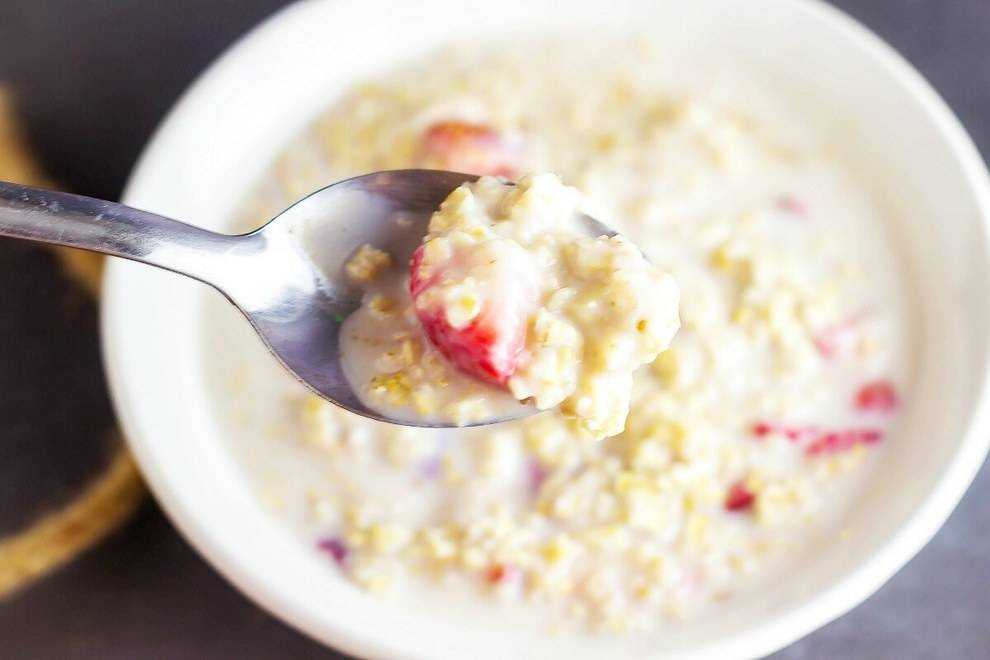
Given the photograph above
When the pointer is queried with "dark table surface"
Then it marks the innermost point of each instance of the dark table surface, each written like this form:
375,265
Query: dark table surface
93,79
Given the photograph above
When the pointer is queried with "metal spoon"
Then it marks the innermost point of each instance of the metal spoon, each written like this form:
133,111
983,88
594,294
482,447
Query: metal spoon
286,277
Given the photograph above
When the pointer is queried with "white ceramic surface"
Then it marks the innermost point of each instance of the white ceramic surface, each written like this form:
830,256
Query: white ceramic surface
222,136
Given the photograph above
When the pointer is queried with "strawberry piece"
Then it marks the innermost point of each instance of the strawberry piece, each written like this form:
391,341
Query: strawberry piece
792,205
800,433
470,148
793,433
500,573
762,429
837,441
878,396
739,498
817,440
489,347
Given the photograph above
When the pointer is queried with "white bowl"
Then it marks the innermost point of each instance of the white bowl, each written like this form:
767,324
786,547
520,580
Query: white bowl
222,136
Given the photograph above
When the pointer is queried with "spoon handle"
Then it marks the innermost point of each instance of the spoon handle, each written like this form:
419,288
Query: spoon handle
48,216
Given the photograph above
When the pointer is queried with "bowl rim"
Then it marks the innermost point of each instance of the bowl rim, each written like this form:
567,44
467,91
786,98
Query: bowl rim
829,604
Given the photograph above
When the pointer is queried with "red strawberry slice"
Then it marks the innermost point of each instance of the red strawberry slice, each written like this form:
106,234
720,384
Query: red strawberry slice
792,432
470,148
878,396
817,440
502,573
489,347
739,497
839,441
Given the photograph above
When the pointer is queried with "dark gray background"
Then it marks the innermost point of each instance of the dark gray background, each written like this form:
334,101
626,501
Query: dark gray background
93,80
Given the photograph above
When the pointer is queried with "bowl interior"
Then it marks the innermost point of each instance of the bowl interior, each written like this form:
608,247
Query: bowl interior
224,134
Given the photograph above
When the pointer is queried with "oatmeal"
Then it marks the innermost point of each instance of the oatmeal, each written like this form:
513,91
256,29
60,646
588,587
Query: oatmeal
745,443
512,290
367,264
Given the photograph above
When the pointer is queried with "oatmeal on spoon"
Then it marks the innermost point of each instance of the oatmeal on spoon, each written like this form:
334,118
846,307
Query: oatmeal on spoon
511,296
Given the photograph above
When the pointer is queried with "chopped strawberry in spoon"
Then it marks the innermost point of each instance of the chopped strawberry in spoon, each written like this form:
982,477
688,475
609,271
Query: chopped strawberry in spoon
489,344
